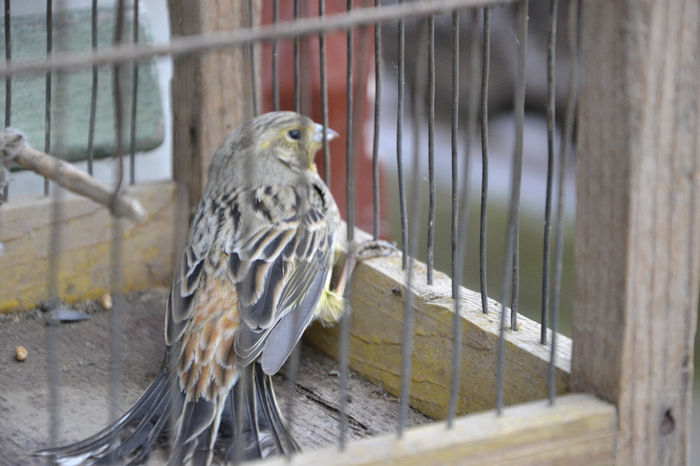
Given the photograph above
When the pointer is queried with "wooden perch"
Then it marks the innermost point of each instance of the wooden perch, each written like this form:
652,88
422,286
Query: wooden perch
14,148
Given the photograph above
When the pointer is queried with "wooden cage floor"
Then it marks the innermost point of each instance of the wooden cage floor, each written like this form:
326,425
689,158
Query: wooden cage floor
85,381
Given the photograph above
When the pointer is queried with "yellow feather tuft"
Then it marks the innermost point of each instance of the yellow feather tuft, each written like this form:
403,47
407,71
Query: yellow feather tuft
330,308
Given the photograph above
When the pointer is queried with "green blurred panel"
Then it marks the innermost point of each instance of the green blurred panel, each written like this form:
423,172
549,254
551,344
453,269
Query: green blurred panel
72,90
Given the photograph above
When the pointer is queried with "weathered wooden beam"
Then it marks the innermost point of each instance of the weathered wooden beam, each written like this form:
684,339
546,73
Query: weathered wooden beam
578,429
638,221
377,332
84,255
211,92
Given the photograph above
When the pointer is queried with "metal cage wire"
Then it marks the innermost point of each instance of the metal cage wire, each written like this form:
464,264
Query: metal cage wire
382,19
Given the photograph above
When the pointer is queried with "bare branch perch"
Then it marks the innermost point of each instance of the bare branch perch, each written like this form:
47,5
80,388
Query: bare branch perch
14,148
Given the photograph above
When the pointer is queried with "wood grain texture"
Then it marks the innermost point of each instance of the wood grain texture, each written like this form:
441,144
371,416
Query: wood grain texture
638,217
578,430
377,332
84,258
211,92
86,378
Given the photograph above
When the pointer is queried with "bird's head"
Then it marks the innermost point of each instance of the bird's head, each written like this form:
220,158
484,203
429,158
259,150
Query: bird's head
292,138
275,145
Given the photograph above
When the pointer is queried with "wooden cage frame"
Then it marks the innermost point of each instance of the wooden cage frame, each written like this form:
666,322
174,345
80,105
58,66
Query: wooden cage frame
637,260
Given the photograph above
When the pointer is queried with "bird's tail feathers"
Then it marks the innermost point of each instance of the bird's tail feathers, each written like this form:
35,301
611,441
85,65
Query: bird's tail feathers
242,424
129,439
261,432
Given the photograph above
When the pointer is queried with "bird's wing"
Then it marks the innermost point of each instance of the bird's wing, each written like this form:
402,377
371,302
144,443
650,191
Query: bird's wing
251,276
274,247
293,263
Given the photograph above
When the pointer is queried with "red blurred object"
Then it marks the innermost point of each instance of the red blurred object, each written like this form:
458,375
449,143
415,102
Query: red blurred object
310,101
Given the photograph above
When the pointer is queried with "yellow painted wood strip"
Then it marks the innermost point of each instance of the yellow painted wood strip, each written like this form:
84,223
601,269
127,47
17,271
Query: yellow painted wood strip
377,333
84,260
578,430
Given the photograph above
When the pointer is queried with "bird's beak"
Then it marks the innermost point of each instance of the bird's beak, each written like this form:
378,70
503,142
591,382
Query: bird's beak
318,134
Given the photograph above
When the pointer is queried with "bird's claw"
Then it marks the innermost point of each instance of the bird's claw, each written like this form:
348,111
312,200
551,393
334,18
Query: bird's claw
371,249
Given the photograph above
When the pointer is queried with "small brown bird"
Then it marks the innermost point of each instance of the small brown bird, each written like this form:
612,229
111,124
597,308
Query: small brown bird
254,274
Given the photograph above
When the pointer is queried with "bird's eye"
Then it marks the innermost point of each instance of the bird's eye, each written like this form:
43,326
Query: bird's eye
294,134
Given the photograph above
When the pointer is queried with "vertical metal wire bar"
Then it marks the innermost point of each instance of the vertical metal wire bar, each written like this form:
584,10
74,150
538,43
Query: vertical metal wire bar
324,97
509,260
53,342
134,99
431,148
485,63
116,324
293,364
564,154
8,84
253,70
463,214
551,49
417,102
399,139
377,113
519,112
52,330
47,101
275,57
8,57
349,156
412,233
297,63
456,268
507,271
93,92
350,217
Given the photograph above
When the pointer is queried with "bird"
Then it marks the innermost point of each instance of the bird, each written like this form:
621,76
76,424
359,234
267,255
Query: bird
254,273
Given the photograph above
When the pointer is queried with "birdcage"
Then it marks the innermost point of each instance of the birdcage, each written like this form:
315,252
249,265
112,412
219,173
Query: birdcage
424,369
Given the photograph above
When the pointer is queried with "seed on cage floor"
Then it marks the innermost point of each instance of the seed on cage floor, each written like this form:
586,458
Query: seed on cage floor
107,301
21,353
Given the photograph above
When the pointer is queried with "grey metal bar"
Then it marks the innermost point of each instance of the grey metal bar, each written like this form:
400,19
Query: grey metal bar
253,70
464,201
275,57
47,101
399,139
93,92
564,154
225,39
134,99
505,298
116,321
377,112
551,49
292,377
519,112
297,63
324,97
349,156
417,101
53,344
431,149
8,84
412,232
456,266
350,217
8,57
510,267
485,57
